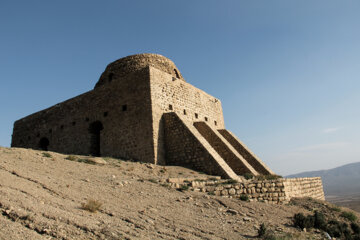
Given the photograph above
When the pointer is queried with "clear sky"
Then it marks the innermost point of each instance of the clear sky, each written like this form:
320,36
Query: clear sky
287,72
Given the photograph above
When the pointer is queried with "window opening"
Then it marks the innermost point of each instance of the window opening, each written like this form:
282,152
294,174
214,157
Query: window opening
196,115
124,108
170,107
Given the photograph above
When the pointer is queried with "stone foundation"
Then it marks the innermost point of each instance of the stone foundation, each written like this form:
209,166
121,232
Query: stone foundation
270,191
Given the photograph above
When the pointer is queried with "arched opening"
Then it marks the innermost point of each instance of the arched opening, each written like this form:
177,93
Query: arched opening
44,143
94,130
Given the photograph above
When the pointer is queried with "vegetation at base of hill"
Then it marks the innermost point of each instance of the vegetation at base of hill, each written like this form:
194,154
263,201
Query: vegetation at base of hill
46,154
71,158
333,227
91,205
349,216
265,234
244,197
248,176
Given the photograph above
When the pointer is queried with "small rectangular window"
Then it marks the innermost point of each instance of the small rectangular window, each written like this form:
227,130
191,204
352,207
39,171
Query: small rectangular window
170,107
105,114
196,115
184,112
206,119
124,108
215,123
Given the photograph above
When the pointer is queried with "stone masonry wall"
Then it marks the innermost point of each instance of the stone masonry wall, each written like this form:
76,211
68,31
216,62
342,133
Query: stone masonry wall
271,191
169,94
123,107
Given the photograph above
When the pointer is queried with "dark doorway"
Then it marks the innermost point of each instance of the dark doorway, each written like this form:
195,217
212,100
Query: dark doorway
94,130
44,143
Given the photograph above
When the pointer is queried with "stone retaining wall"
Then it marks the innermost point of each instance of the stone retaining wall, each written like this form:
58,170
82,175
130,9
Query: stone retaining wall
271,191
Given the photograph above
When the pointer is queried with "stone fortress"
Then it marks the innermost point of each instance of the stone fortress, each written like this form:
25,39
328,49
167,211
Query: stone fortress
142,109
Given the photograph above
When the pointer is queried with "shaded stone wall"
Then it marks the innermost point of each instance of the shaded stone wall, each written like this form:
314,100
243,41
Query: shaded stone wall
123,108
169,94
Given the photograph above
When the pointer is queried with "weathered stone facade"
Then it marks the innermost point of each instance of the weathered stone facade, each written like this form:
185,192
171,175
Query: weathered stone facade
142,109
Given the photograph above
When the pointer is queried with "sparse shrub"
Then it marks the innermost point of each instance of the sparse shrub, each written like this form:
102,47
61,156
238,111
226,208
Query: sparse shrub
262,230
230,181
244,197
184,188
91,205
165,185
349,216
335,208
319,221
152,180
71,158
46,154
272,177
355,227
86,160
302,221
248,176
211,193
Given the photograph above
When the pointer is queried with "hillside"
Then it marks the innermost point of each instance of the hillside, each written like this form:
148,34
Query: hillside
46,195
340,181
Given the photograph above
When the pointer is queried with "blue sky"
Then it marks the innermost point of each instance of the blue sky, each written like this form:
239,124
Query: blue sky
287,72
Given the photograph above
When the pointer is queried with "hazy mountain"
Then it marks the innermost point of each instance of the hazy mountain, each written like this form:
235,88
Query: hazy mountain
343,180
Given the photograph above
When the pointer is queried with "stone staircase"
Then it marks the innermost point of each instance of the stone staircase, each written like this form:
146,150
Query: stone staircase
203,148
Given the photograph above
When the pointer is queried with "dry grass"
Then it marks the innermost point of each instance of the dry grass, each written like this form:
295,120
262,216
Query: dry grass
91,205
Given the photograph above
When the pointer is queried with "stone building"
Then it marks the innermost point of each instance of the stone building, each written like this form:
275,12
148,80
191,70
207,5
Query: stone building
142,109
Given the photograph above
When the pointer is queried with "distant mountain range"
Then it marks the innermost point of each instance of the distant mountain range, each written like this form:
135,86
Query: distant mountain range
340,181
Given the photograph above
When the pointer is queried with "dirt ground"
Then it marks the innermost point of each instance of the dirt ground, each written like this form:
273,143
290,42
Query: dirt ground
42,196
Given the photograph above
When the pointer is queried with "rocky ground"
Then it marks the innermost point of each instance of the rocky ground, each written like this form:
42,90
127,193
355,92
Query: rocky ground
46,195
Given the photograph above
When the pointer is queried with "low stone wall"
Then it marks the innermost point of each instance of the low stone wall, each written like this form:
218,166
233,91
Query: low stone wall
271,191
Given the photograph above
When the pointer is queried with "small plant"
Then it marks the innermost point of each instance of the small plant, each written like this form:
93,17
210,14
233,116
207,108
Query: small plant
184,188
230,181
349,216
46,154
335,208
262,230
212,193
152,180
244,197
91,205
166,185
71,158
86,160
248,176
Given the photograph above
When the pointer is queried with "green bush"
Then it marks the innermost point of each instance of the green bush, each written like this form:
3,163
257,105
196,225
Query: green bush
244,197
262,230
184,188
230,181
302,221
319,221
349,216
355,227
45,154
248,176
71,158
